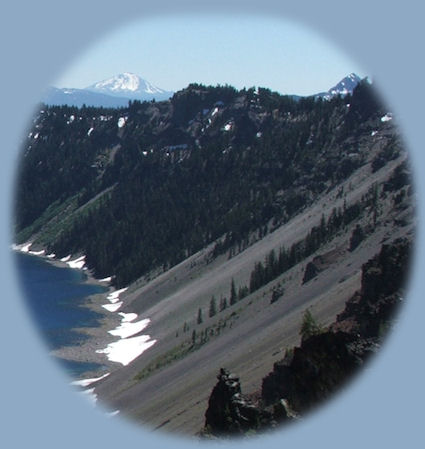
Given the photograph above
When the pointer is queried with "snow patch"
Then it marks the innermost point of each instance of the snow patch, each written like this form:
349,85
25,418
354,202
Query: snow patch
126,317
24,248
127,329
77,263
36,253
107,279
387,117
90,394
113,297
87,382
112,307
124,351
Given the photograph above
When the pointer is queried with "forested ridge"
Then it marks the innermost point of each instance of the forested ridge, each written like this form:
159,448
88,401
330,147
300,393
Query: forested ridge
147,185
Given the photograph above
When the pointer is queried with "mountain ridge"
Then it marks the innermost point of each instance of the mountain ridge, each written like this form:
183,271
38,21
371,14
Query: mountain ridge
118,90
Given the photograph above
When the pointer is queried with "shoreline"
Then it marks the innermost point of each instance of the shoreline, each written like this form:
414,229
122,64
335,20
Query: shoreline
117,339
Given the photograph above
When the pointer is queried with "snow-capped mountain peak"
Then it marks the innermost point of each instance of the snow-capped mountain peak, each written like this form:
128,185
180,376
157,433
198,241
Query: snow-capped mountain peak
129,85
122,82
344,87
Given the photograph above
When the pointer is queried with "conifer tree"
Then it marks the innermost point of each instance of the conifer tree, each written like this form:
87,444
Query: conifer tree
213,307
233,294
223,303
199,319
309,326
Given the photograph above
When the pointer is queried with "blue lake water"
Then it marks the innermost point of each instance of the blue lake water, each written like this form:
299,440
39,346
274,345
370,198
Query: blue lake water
55,298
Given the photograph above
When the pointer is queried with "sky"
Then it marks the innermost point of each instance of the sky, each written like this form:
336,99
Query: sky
243,51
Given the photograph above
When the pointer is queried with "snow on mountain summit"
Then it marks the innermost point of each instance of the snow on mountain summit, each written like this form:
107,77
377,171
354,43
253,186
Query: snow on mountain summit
131,86
344,87
122,82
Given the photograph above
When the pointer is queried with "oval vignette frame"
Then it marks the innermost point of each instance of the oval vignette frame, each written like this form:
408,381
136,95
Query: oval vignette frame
45,379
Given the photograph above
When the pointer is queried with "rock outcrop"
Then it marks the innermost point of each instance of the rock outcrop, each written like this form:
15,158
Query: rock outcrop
323,362
320,263
229,412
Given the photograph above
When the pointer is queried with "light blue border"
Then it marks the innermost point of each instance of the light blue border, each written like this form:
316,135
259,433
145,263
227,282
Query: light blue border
384,406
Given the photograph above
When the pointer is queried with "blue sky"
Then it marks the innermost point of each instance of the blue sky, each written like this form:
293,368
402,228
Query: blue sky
244,51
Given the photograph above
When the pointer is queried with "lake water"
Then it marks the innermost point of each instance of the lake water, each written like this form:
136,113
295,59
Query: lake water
55,296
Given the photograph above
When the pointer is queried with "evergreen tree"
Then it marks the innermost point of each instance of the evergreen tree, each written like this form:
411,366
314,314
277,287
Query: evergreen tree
213,307
309,327
356,237
233,294
199,318
242,292
223,303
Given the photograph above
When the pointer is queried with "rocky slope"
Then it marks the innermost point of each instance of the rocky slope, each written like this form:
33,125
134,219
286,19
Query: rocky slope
169,386
326,359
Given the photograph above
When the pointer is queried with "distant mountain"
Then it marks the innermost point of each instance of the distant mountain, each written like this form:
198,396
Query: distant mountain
116,92
131,86
344,87
113,92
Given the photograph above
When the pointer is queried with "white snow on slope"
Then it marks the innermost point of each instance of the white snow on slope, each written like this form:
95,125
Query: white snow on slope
112,307
387,117
127,317
125,82
77,263
127,329
124,351
36,253
113,297
87,382
107,279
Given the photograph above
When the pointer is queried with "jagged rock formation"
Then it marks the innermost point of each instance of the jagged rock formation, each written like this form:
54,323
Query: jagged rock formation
369,311
322,363
228,412
320,263
313,371
231,413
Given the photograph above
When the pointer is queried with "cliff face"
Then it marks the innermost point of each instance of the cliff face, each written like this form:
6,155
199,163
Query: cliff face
369,312
324,362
